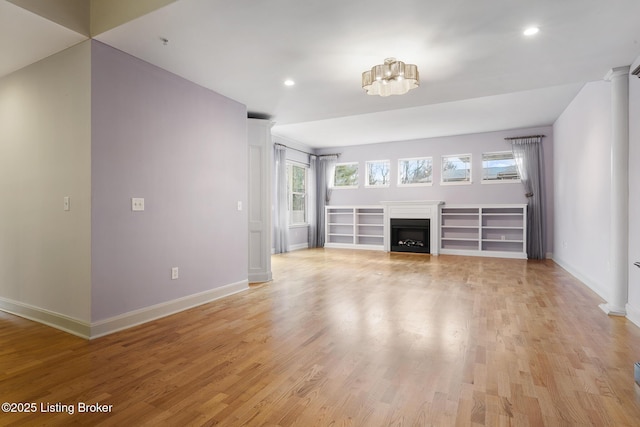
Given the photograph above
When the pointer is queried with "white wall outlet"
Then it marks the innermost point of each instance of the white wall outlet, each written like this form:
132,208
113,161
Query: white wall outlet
174,273
137,204
66,203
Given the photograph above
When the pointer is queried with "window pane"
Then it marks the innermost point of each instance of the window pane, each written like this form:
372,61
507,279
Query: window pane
500,166
378,173
346,175
456,168
298,209
297,188
415,171
298,179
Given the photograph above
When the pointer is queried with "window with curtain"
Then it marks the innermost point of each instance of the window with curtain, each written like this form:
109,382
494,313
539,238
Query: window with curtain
297,191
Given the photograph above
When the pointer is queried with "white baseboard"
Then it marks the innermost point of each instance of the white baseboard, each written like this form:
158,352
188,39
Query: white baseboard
68,324
122,321
590,283
299,247
633,314
147,314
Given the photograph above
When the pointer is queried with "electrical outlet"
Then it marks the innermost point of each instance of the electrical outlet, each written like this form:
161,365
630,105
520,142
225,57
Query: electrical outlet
174,273
137,204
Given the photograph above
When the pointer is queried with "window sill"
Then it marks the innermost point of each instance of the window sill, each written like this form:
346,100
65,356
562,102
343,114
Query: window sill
299,225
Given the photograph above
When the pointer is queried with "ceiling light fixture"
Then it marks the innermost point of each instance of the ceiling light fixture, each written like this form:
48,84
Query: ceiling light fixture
289,82
531,31
391,78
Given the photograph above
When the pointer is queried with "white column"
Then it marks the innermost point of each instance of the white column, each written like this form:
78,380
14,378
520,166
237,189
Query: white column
260,157
619,247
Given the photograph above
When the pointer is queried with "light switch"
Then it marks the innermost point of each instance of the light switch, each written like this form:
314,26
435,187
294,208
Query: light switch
137,204
66,204
239,206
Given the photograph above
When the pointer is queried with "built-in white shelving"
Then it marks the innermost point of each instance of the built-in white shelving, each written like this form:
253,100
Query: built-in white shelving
359,227
484,230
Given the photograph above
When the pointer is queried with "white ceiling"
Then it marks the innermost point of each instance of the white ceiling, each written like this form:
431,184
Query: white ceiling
478,72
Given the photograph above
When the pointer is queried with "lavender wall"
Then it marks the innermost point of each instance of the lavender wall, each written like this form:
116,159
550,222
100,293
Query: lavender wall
181,147
476,192
582,186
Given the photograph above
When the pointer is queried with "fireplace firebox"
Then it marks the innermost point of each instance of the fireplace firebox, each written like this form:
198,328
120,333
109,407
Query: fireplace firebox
410,235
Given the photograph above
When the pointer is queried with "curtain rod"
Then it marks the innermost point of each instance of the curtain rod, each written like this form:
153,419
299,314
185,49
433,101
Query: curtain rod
304,152
523,137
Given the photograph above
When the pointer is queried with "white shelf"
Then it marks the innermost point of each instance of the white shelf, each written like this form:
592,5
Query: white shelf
484,230
360,227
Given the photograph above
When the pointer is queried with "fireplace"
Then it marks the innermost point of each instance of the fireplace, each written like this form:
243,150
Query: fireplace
410,235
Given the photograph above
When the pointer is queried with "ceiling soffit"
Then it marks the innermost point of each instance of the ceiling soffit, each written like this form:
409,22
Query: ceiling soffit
92,17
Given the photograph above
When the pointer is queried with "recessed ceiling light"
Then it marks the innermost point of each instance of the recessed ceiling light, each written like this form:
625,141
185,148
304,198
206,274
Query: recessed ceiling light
289,82
531,31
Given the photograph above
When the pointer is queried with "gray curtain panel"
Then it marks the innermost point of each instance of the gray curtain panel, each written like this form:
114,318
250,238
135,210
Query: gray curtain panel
326,166
280,220
527,152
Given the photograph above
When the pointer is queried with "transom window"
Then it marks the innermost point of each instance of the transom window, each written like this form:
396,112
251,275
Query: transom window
456,169
416,171
378,173
499,166
346,175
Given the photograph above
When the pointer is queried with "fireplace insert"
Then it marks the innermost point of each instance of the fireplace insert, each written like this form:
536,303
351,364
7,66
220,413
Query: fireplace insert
410,235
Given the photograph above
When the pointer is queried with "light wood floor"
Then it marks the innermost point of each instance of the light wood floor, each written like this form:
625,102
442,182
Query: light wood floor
348,338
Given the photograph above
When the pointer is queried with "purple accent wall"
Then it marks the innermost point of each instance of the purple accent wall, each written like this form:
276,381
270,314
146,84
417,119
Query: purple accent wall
181,147
476,192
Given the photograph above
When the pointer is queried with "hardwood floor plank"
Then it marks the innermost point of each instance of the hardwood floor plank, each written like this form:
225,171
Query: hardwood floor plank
345,337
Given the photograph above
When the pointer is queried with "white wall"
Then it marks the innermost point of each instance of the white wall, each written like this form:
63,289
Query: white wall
582,171
45,154
633,308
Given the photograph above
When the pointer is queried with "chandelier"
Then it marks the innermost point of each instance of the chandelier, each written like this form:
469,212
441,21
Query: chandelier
391,78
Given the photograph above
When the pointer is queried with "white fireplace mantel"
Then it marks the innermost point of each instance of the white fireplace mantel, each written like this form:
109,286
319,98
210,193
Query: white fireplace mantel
418,209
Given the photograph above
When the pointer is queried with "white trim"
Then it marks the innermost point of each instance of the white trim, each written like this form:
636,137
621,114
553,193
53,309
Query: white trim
123,321
422,184
585,280
501,181
456,182
300,225
332,184
366,172
485,254
68,324
299,246
418,184
354,246
633,314
469,181
147,314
